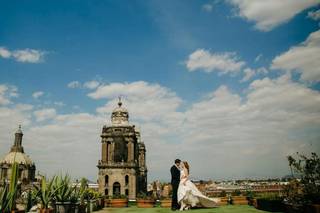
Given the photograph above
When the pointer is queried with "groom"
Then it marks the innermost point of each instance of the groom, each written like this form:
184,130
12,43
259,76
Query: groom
175,179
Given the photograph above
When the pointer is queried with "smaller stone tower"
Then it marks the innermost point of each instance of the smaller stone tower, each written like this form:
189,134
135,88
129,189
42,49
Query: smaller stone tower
27,168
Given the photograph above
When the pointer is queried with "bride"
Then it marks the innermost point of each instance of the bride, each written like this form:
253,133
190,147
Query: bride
188,193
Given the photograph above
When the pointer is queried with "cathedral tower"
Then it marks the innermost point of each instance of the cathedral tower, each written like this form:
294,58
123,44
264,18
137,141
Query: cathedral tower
122,167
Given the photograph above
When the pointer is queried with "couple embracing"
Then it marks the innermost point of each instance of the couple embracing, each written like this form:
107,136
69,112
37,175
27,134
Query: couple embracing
184,193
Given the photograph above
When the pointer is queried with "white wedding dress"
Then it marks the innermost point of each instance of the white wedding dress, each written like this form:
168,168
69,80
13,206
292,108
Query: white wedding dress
191,195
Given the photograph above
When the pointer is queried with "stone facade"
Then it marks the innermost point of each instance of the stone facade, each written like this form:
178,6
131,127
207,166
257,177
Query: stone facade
27,168
122,167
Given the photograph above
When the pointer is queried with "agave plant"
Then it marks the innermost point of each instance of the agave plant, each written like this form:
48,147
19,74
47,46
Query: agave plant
45,192
64,192
83,189
31,199
8,193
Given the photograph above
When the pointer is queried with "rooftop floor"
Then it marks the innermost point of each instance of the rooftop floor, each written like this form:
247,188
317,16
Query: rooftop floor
222,209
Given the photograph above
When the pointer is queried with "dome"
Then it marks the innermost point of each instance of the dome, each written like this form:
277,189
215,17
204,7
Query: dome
120,115
19,157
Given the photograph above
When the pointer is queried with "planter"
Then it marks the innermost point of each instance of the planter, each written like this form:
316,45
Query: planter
166,203
107,202
46,210
101,203
223,201
119,203
66,207
239,200
145,203
254,202
18,211
92,205
82,208
270,205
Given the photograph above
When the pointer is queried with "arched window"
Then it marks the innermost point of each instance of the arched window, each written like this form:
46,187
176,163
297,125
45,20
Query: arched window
126,179
20,173
109,152
106,180
116,188
106,192
120,149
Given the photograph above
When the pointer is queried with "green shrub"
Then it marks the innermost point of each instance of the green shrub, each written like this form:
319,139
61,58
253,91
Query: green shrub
120,196
308,169
145,196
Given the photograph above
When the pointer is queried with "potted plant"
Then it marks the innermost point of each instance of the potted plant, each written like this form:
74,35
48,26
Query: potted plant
165,202
303,193
82,195
145,201
118,201
238,199
100,200
45,194
224,199
250,198
91,198
8,193
66,195
31,199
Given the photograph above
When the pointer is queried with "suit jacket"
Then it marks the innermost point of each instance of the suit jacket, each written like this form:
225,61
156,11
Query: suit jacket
175,174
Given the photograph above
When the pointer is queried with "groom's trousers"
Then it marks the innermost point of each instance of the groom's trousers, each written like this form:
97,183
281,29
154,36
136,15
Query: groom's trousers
174,203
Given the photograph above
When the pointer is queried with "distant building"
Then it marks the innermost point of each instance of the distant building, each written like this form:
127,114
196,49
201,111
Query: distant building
122,168
27,168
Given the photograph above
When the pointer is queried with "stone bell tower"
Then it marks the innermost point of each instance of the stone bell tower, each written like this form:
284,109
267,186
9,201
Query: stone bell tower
122,167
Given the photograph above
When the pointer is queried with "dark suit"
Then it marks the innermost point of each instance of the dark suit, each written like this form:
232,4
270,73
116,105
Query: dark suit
175,180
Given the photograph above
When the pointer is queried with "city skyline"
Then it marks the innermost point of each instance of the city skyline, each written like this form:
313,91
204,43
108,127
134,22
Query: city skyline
230,86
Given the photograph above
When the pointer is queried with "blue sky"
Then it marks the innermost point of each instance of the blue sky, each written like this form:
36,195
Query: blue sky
185,54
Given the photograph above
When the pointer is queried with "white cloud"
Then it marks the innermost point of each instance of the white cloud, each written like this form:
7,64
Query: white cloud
315,15
207,7
258,58
248,74
147,101
262,70
250,133
28,55
270,14
276,118
45,114
74,84
91,84
59,103
6,93
4,53
24,55
201,59
37,94
303,58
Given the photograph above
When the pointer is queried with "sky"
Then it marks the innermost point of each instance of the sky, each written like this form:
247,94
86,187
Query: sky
230,86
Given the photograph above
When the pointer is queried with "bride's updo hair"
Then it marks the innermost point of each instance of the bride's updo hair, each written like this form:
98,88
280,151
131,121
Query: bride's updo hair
187,166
